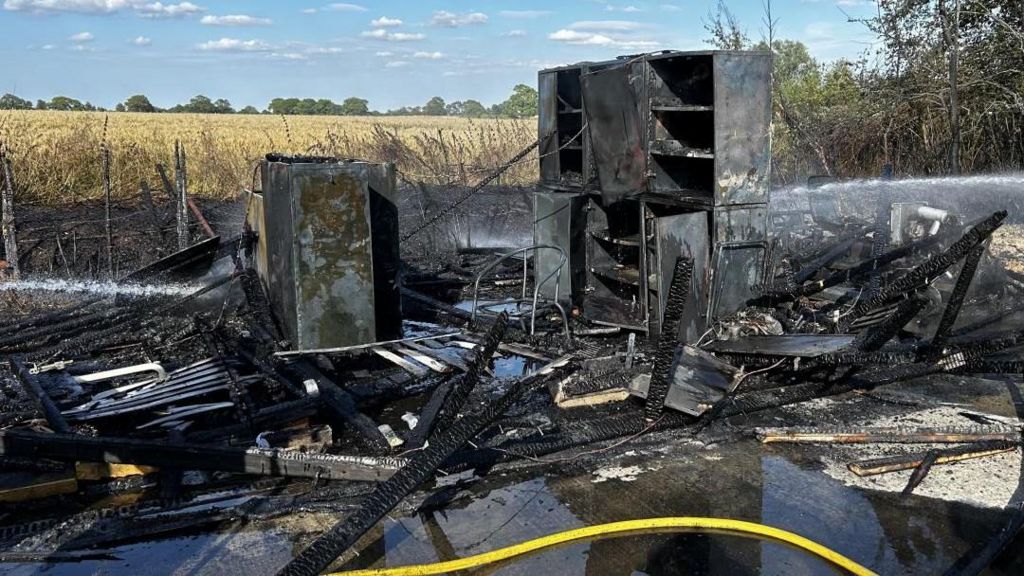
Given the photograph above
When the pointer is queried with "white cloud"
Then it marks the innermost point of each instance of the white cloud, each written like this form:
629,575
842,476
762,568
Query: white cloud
142,41
382,34
385,22
670,8
385,54
82,37
523,13
396,64
515,34
235,45
235,20
608,25
48,46
80,6
287,55
428,55
591,39
447,19
309,10
161,10
628,9
143,8
341,7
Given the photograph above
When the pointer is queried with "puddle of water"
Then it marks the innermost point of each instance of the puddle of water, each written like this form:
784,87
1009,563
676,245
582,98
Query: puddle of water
743,481
244,553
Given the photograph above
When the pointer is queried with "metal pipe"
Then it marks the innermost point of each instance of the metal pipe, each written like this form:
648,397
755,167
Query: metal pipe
556,273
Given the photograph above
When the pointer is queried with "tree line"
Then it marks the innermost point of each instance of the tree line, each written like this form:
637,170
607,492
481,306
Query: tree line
941,91
520,104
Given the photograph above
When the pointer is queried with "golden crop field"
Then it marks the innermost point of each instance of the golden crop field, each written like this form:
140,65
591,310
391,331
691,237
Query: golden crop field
56,156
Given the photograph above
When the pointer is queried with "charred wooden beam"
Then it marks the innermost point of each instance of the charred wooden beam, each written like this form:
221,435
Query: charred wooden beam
49,408
957,297
343,406
885,435
922,470
287,463
934,266
678,292
459,392
874,338
875,466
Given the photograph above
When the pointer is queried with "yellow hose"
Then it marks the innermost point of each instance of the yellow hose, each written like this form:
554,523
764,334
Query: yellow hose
617,529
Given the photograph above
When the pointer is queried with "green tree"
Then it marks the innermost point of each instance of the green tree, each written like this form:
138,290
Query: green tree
200,105
222,106
522,103
473,109
41,104
12,102
355,107
66,104
434,107
249,110
457,108
120,107
725,30
138,103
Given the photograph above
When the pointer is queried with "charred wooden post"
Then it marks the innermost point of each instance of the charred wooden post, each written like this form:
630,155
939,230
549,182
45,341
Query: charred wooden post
7,224
147,202
107,229
181,204
172,197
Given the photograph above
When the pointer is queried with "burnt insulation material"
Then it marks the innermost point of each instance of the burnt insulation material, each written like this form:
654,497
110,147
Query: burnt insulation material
678,291
934,266
325,549
959,294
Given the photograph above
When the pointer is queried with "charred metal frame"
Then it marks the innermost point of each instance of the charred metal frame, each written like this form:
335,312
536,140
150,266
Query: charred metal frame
328,249
673,151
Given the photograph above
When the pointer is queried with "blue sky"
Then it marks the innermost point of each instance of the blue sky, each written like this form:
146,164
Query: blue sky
390,52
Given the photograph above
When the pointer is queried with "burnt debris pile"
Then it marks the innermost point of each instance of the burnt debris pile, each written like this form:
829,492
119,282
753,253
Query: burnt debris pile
310,364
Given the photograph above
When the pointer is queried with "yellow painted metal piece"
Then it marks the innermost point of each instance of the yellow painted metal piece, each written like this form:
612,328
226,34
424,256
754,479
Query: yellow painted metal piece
94,471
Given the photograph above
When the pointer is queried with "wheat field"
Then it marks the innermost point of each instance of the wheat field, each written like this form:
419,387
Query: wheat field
56,156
